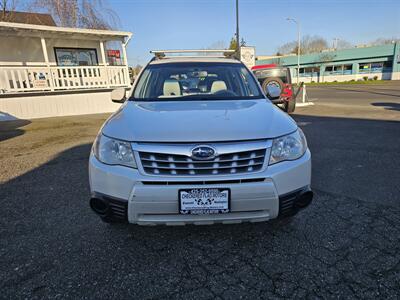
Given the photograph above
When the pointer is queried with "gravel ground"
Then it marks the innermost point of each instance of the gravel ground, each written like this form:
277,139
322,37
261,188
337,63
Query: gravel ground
345,245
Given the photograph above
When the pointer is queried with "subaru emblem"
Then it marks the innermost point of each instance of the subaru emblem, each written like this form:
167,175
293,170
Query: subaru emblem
203,153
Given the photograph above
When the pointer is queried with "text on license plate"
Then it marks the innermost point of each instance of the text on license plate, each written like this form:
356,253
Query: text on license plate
204,201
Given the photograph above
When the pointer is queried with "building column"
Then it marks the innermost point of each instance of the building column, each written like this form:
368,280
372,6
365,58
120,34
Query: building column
321,72
103,54
104,63
46,60
354,70
124,44
293,72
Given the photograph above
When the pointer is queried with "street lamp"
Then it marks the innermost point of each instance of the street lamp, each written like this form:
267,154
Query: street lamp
237,30
298,46
335,43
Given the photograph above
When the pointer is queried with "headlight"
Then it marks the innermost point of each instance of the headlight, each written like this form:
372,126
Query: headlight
288,147
113,152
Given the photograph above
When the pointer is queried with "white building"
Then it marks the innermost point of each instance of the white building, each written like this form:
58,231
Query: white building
51,71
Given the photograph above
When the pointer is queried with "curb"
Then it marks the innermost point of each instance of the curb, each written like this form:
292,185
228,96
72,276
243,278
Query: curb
304,104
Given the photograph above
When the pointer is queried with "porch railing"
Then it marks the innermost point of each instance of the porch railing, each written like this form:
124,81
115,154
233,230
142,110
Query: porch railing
25,78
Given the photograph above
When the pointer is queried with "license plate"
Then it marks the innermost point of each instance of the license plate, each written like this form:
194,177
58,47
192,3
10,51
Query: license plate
204,201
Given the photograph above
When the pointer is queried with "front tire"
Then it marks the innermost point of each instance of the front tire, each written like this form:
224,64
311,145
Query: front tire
107,220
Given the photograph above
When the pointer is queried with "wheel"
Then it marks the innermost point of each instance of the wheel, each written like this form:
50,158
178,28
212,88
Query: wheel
272,81
286,220
283,221
289,106
108,220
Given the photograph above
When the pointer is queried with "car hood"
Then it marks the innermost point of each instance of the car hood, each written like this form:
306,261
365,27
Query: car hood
198,121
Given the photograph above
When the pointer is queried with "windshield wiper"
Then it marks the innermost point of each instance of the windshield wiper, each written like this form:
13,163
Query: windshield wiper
198,96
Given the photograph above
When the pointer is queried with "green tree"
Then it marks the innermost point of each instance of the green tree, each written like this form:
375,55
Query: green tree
233,44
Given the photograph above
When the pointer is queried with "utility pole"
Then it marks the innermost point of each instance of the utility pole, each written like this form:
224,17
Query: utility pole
237,30
298,47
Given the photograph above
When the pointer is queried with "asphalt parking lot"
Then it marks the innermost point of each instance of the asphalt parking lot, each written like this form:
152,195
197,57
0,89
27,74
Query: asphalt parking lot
345,245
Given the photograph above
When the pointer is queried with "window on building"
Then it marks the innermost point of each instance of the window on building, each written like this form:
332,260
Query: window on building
338,69
309,72
364,68
387,66
376,67
76,57
114,57
347,69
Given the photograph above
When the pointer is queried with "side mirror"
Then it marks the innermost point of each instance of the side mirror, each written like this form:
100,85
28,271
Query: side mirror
273,91
118,95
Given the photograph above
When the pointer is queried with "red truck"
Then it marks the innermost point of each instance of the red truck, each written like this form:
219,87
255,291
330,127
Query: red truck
272,74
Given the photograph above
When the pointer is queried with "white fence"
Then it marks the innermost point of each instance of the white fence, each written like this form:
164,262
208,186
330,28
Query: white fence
25,79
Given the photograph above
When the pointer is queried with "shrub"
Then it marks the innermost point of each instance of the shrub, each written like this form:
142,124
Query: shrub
365,78
375,77
352,80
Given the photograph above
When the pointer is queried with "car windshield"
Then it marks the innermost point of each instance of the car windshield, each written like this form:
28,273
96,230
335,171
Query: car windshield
274,72
196,81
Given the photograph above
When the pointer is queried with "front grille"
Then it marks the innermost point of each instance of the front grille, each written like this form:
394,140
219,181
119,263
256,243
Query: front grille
232,163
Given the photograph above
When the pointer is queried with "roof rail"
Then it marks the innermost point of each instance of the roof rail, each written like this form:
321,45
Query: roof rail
164,53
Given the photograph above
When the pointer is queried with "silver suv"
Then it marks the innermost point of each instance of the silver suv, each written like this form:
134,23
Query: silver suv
198,142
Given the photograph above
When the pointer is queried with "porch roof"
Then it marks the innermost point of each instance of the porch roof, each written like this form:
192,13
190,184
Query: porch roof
20,29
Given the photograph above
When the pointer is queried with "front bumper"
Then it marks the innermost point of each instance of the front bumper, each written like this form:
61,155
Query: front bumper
150,200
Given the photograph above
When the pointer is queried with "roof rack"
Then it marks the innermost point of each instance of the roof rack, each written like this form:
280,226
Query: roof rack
159,54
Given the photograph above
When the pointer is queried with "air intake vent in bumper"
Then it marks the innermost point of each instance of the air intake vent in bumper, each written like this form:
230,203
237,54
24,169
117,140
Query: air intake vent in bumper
118,210
291,203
